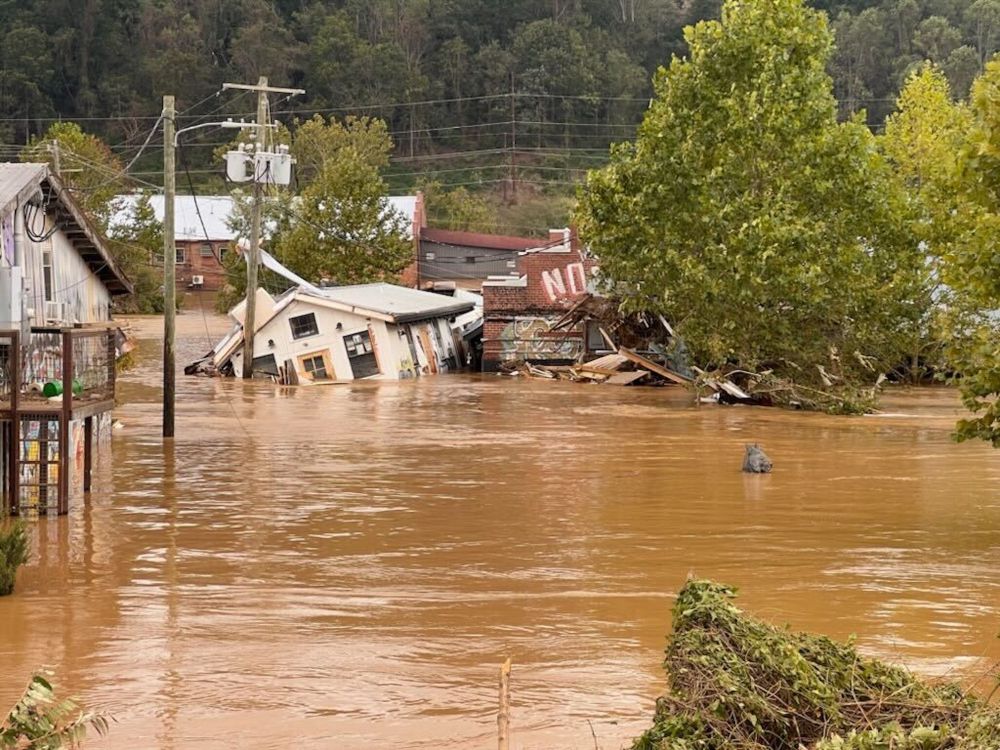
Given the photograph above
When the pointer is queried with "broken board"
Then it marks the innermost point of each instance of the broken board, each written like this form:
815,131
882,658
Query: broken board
647,364
626,378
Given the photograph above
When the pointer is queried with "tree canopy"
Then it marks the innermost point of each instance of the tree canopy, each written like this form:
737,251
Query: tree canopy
442,72
773,236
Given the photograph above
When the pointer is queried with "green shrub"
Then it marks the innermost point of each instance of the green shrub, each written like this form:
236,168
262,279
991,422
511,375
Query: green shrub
738,683
13,554
41,721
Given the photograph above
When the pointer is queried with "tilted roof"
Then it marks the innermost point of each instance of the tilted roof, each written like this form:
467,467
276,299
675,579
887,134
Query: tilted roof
401,304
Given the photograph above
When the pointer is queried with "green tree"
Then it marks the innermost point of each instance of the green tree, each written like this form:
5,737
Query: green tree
136,238
982,18
318,141
961,68
87,166
26,73
771,235
343,229
922,140
96,179
973,268
936,38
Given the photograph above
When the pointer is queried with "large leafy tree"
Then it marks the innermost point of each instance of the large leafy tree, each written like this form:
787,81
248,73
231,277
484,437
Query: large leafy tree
87,166
923,140
972,269
772,235
343,229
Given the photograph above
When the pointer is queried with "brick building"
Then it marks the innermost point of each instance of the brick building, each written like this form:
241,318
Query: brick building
518,311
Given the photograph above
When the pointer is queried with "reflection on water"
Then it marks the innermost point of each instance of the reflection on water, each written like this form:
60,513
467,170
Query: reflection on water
345,566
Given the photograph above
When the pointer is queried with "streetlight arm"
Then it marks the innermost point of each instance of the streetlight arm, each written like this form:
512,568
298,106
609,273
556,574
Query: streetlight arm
227,124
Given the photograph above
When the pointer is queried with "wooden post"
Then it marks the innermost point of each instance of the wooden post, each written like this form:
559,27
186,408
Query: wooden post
169,266
62,503
253,254
503,715
88,452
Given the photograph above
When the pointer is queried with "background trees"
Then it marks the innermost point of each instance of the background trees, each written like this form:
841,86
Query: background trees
439,71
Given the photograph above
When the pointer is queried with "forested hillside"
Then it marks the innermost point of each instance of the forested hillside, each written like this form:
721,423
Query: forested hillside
475,91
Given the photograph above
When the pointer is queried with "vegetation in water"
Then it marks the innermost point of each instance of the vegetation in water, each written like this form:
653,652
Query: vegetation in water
738,683
14,553
41,721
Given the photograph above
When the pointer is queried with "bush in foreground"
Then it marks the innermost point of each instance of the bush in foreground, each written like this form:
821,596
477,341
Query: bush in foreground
737,683
13,554
40,721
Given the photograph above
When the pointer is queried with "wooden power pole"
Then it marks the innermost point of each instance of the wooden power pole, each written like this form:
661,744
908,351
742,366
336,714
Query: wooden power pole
253,259
169,267
253,252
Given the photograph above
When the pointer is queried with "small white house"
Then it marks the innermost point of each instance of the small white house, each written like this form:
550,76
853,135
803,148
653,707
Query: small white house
380,331
54,267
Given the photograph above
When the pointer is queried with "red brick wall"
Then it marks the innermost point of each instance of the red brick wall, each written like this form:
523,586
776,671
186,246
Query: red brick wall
196,265
555,280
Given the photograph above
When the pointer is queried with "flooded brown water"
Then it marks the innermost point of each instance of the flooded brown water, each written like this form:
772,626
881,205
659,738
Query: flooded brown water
346,566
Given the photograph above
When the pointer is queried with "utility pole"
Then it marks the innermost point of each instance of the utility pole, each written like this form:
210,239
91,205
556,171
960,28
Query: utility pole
253,261
253,253
169,266
513,142
56,158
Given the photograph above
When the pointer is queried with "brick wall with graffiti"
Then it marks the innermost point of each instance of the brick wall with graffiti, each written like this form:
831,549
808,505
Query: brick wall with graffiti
518,312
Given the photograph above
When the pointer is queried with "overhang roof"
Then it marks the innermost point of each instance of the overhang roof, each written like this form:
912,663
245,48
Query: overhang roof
20,182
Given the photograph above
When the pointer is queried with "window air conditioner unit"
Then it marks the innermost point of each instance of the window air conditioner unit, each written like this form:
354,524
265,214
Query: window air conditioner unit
197,281
55,312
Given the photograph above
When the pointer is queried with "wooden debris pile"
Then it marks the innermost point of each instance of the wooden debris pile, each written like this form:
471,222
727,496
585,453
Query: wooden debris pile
637,330
644,350
626,367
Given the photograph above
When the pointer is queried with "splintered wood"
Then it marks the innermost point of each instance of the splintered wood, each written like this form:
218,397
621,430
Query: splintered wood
624,368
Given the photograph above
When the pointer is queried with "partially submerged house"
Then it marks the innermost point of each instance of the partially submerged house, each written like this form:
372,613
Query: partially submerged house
380,331
57,346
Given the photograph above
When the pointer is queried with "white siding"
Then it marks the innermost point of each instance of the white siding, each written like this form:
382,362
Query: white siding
84,296
392,349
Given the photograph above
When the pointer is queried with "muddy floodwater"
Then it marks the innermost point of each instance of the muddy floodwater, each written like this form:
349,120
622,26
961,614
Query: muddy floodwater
346,566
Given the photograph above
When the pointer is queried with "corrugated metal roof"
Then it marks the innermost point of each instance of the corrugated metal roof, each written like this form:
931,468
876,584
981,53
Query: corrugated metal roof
478,239
402,303
216,211
18,181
